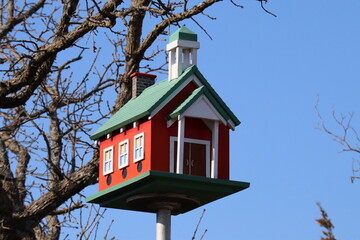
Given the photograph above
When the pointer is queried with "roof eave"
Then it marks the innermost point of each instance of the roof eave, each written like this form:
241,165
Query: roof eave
232,116
98,135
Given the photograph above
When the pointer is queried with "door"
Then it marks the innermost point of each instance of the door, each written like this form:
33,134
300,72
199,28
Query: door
194,161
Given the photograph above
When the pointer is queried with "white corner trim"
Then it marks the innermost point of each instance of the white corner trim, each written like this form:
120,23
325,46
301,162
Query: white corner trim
231,124
170,122
196,80
180,144
215,150
172,151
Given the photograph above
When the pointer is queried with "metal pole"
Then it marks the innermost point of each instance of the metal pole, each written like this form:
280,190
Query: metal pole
163,224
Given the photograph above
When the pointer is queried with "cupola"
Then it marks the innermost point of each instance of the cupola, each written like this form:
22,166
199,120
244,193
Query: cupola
182,47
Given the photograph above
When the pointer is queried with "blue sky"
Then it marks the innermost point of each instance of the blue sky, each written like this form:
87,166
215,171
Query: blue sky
271,71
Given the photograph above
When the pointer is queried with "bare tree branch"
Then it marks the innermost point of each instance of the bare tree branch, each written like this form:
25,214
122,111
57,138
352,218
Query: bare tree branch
346,136
62,64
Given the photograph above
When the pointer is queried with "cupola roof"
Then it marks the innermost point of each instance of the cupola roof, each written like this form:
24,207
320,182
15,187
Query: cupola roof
183,33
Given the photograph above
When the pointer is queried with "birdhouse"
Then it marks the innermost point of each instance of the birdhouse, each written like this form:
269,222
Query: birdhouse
170,142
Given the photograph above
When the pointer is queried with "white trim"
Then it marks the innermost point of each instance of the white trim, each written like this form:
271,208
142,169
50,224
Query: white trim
198,110
202,109
126,153
194,57
171,60
170,122
180,145
172,151
215,150
186,56
182,43
110,160
197,81
231,124
141,157
174,93
189,140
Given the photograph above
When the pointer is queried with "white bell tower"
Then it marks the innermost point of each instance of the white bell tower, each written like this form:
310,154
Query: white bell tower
182,49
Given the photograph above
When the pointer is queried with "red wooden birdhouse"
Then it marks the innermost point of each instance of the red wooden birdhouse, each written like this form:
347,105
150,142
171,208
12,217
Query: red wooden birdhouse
171,140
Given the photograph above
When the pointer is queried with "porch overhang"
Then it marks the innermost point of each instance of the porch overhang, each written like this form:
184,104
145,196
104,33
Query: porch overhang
202,189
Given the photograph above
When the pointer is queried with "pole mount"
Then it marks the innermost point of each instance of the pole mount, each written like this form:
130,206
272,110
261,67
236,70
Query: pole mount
152,202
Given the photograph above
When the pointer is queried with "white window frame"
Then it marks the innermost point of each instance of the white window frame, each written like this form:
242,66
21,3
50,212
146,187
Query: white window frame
122,154
110,160
189,140
142,155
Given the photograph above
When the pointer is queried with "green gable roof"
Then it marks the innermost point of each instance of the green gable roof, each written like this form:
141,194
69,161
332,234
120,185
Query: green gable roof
153,96
192,98
187,103
183,33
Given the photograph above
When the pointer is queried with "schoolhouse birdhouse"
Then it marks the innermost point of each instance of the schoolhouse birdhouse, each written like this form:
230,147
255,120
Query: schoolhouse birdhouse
170,143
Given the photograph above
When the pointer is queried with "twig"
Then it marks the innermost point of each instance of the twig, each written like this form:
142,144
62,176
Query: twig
197,226
202,28
262,6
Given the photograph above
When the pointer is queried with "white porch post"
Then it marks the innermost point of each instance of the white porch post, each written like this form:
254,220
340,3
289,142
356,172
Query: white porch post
215,147
180,144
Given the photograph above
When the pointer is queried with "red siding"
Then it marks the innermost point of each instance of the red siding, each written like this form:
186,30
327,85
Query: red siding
196,128
132,168
157,143
161,134
223,157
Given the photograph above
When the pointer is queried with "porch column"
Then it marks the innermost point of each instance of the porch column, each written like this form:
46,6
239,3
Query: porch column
180,144
215,150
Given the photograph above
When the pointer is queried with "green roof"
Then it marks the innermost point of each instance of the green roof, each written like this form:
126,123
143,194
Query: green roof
187,102
192,98
153,96
183,33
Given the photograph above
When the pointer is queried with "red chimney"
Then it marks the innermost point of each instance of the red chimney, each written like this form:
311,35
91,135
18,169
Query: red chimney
140,81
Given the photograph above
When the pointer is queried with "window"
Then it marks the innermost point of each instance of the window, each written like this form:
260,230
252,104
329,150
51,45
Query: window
108,160
139,147
124,154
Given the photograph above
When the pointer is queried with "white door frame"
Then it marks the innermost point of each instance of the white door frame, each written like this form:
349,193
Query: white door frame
179,168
